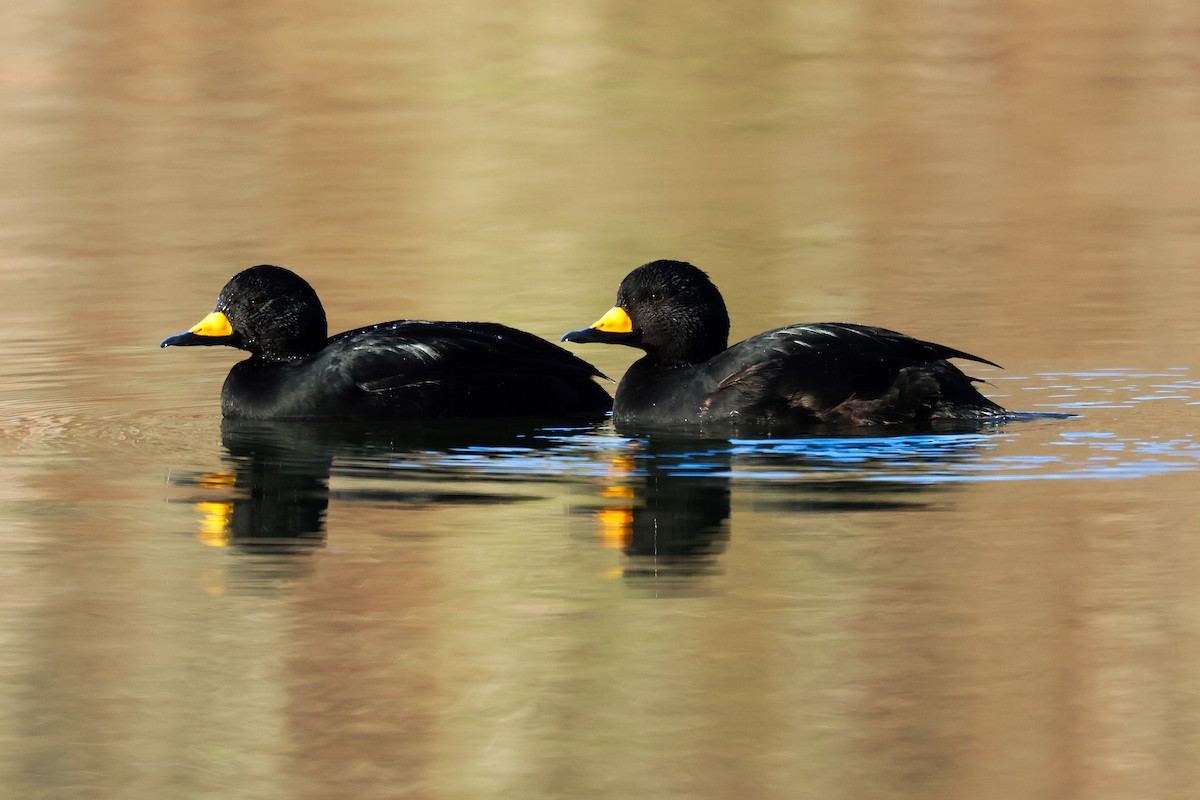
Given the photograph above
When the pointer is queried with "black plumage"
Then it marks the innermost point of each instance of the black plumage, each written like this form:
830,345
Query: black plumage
406,369
828,372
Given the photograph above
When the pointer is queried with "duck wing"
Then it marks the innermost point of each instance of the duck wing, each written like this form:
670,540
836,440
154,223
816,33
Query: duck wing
419,367
832,371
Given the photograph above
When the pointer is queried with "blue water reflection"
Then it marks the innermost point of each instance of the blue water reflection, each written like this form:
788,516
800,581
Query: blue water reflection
662,498
275,489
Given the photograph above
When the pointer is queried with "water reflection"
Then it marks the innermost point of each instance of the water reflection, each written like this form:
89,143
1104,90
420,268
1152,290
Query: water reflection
280,487
276,491
673,492
664,501
676,518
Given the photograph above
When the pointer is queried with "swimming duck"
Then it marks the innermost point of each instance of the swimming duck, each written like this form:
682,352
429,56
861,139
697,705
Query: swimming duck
826,372
406,369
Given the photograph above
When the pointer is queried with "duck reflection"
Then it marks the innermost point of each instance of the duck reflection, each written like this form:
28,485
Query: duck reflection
275,491
672,511
664,501
670,497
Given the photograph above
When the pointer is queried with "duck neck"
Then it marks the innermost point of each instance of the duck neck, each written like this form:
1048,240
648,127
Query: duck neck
686,352
284,349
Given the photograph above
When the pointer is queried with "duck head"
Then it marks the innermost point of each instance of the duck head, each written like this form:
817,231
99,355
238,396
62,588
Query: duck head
670,309
268,311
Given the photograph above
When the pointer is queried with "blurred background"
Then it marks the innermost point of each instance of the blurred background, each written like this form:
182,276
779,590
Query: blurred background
1015,179
1012,178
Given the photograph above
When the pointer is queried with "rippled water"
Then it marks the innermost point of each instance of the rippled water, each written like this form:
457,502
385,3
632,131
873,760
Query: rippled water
246,608
196,608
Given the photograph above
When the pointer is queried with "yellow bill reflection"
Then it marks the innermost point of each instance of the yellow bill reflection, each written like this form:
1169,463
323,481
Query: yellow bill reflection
214,523
615,522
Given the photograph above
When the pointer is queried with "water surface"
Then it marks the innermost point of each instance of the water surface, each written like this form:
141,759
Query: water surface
194,608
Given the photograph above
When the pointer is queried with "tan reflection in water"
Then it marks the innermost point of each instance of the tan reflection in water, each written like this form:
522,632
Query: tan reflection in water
1014,179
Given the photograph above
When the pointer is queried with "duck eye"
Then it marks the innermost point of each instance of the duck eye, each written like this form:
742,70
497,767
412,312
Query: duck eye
655,296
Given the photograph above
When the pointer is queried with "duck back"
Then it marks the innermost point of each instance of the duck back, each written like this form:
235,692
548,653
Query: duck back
807,373
413,369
